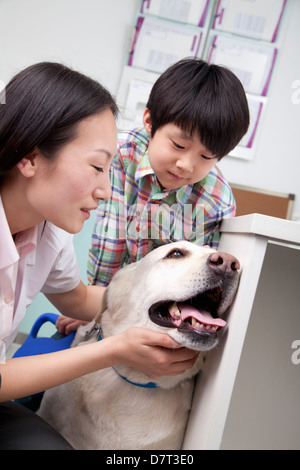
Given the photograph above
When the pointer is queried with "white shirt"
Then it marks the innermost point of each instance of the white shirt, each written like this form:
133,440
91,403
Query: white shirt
41,259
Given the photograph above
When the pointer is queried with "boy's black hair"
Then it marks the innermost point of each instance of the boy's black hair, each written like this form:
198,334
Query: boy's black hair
204,98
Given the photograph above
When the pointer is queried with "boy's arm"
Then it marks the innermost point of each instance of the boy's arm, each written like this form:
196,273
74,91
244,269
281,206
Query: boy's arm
108,249
213,224
220,205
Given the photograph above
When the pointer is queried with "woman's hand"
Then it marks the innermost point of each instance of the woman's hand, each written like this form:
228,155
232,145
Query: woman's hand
155,354
65,325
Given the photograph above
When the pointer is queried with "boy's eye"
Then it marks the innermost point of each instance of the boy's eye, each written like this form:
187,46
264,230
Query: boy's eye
97,168
177,145
207,158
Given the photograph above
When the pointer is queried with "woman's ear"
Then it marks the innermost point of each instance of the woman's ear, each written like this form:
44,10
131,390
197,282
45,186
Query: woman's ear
147,121
27,166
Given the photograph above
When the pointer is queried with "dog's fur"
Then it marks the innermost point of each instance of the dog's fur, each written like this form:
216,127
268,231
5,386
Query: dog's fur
103,411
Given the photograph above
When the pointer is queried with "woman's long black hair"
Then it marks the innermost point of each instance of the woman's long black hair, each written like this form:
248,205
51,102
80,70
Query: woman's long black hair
43,106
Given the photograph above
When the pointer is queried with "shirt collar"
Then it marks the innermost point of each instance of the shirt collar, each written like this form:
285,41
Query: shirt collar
144,168
11,251
183,193
26,241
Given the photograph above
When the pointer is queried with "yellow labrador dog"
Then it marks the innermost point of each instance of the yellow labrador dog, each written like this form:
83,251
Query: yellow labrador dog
180,289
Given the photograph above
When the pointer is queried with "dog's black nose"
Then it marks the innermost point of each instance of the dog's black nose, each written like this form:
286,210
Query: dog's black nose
223,262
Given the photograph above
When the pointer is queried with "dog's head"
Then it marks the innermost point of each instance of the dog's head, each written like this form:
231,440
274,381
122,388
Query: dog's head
180,289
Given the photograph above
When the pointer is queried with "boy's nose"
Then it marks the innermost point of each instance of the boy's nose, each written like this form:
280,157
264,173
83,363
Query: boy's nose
185,164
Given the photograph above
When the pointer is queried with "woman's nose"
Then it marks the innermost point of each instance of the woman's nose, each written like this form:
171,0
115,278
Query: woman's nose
103,193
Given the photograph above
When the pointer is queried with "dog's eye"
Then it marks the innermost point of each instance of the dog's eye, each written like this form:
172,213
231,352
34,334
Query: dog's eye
176,253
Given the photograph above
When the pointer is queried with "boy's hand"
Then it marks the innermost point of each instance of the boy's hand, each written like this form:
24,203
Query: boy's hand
65,325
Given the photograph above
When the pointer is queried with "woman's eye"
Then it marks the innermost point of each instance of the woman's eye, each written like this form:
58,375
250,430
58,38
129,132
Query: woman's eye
97,168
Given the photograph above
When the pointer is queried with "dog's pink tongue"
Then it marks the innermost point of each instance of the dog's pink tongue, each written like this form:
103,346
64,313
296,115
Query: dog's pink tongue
201,316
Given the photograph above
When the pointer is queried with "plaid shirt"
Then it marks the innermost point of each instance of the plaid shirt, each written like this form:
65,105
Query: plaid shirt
141,216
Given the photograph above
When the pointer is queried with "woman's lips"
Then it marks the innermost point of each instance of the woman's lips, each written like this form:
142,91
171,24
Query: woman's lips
86,213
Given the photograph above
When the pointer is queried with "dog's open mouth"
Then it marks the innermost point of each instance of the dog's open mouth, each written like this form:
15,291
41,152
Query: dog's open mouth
198,314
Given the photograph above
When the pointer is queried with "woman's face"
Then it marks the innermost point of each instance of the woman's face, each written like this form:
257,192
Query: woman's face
65,190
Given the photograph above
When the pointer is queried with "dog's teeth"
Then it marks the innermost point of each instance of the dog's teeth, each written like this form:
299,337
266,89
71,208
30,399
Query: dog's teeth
175,310
201,326
172,308
196,324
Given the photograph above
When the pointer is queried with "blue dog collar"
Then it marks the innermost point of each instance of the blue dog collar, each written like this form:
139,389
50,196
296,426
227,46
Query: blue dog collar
146,385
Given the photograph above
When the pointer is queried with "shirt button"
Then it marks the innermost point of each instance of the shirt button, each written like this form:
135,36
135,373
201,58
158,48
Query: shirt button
7,300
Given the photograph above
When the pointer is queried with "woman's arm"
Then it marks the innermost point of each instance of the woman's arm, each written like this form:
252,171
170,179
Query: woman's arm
140,348
78,306
81,303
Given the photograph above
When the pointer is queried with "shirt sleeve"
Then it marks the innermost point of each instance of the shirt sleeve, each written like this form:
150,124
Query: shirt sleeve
64,274
108,250
214,202
213,224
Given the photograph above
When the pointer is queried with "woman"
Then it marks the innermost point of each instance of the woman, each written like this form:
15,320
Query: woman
57,140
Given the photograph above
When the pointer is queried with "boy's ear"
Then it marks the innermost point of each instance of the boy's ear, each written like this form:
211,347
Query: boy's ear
147,121
27,166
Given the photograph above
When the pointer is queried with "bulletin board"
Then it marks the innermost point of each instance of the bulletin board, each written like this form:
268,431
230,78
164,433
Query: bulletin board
238,34
254,200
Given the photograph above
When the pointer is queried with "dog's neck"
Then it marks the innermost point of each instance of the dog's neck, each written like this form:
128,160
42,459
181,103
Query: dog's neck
97,330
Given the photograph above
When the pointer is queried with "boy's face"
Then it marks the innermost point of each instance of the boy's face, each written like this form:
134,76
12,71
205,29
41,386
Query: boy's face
177,158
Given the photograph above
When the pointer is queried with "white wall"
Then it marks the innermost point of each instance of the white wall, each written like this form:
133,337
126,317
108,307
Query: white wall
93,36
276,165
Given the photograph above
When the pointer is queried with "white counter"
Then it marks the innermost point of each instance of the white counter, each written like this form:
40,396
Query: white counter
248,395
270,227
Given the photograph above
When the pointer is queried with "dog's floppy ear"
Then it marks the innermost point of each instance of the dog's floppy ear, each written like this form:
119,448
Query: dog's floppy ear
104,305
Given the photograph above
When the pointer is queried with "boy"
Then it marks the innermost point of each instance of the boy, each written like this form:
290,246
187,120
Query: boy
165,183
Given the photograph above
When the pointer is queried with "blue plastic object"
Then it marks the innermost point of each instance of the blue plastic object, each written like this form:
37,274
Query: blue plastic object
34,345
